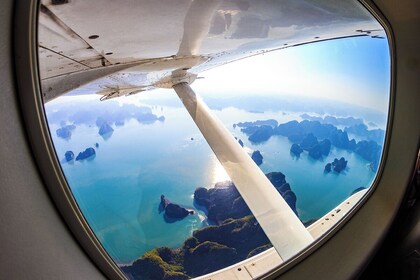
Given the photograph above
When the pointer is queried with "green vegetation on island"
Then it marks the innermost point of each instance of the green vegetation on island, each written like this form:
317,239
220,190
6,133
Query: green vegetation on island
209,249
235,236
317,138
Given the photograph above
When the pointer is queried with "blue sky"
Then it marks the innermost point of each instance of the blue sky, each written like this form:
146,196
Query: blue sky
354,70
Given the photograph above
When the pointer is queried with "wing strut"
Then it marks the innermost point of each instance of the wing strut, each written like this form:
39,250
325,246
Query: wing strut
284,229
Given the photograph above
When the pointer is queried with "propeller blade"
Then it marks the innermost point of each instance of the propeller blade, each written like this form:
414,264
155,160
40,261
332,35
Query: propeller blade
284,229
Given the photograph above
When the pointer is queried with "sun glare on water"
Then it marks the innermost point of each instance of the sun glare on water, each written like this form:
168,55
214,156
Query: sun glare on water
218,172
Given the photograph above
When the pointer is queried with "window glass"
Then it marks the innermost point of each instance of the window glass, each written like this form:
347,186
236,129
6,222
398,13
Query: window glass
312,117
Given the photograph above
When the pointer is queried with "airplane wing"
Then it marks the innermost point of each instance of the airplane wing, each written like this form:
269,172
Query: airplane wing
139,43
123,47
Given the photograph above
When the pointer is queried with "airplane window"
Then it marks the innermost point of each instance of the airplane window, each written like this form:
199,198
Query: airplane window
297,95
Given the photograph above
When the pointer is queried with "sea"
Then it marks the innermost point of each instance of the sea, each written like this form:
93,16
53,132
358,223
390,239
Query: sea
119,189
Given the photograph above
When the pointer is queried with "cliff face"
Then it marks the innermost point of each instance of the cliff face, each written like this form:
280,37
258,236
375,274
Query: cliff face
236,236
224,201
257,157
337,165
156,264
296,149
88,153
65,131
172,210
105,129
370,151
309,142
209,249
262,134
69,156
317,138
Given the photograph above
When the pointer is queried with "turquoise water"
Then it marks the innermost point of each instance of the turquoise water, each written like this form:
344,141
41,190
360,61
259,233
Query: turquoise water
317,193
119,190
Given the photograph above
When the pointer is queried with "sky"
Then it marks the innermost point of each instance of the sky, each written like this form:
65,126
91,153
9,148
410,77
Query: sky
353,70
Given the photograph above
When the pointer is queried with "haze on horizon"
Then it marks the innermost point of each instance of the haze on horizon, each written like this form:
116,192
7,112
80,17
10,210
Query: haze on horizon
354,70
351,70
